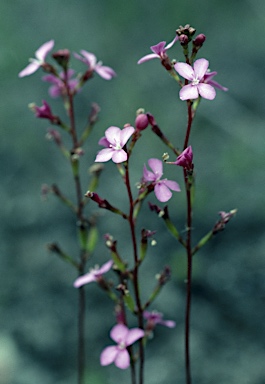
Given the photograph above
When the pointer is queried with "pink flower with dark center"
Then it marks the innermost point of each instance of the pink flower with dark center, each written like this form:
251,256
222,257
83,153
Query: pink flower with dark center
114,140
162,188
39,60
90,60
185,159
58,88
118,354
197,87
154,318
159,51
93,275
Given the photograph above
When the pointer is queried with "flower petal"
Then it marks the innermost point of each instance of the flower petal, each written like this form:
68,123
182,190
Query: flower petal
31,68
189,92
206,91
168,323
169,45
125,134
185,70
105,72
157,167
172,185
133,335
147,58
162,192
200,68
104,142
216,85
90,58
113,135
44,49
104,155
104,268
119,156
119,333
122,359
85,279
108,355
158,48
148,175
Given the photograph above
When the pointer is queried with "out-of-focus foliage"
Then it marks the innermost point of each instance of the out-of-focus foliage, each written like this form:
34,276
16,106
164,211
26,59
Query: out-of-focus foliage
37,301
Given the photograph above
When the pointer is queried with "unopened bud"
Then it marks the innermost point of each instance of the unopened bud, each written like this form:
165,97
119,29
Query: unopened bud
62,57
141,122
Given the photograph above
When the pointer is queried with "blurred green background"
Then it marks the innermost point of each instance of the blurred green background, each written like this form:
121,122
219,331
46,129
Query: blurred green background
37,301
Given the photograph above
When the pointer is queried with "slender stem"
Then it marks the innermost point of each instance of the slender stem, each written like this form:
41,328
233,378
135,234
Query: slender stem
135,271
81,333
190,118
82,227
188,282
189,251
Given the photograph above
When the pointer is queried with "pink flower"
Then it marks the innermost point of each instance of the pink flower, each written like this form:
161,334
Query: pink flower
58,88
93,275
161,187
114,140
195,75
159,51
36,63
118,354
154,318
185,159
90,60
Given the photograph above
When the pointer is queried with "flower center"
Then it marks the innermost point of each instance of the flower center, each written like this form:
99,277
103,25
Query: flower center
122,345
195,81
117,146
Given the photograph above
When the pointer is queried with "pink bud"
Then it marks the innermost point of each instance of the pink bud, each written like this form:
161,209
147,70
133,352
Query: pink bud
141,121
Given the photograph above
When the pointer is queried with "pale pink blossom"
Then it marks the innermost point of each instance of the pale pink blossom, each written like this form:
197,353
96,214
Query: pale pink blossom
114,141
162,188
39,59
93,275
90,60
197,87
118,354
159,51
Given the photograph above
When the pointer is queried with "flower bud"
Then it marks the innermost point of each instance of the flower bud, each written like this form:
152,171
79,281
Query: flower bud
62,57
141,122
183,39
199,40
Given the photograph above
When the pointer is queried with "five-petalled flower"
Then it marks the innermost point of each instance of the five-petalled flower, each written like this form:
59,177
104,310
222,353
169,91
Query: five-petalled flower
90,60
196,76
159,51
93,275
39,60
114,141
162,188
118,354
